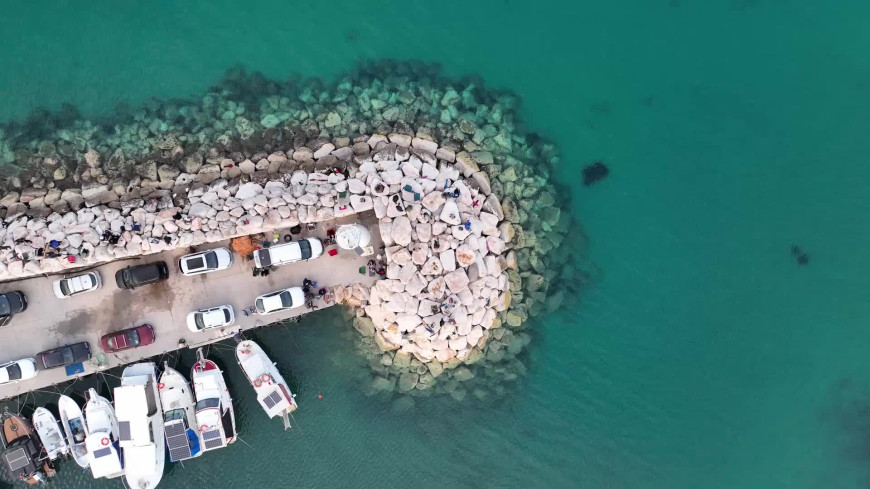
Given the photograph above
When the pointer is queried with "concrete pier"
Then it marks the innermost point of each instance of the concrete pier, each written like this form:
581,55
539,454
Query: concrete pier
50,322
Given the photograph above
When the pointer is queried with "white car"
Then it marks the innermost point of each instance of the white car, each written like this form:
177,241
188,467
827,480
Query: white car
18,370
70,286
215,317
280,300
205,261
282,254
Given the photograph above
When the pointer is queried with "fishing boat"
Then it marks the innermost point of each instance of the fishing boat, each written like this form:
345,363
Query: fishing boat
104,450
273,394
49,433
179,416
73,422
214,406
140,426
23,455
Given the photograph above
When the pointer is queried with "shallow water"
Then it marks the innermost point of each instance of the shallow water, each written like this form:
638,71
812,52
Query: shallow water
701,355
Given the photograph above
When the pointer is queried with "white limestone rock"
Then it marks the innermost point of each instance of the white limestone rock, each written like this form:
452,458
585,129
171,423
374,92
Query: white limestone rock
248,190
400,231
361,203
450,213
456,280
448,260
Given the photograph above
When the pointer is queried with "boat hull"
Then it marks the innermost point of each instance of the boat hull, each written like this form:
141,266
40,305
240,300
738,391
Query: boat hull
73,422
50,433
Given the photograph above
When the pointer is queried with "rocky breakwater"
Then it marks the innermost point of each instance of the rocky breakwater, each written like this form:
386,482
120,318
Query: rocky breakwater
452,273
46,230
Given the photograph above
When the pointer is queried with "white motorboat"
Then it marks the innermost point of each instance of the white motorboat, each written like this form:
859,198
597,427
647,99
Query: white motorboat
104,450
273,393
140,426
74,427
49,433
179,416
214,406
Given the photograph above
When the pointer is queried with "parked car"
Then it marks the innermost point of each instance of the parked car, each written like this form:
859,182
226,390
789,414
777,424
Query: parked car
205,261
18,370
63,356
11,303
138,275
282,254
128,338
70,286
215,317
280,300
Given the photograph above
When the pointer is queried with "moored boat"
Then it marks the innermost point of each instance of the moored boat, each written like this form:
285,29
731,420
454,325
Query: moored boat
272,390
140,426
104,451
23,454
179,416
215,417
73,422
49,432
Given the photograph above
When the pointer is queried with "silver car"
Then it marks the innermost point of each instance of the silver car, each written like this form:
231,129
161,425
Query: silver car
79,284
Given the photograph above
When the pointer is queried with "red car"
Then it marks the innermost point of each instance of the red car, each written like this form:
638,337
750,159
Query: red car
128,338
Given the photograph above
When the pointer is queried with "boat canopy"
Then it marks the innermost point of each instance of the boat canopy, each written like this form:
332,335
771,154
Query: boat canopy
133,405
20,457
145,458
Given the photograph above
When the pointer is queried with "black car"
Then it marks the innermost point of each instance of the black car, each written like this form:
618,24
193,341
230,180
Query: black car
11,303
63,356
135,276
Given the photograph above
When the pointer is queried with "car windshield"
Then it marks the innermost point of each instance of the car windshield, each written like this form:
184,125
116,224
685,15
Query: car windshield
226,315
286,300
111,343
197,318
5,307
207,403
211,260
68,355
64,287
265,257
133,338
305,248
260,305
14,372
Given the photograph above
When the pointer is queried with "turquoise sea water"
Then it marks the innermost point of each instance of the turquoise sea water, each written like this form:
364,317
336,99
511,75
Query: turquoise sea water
700,356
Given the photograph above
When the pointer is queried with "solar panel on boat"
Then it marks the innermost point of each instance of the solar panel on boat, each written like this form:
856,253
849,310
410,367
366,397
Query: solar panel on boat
176,440
216,443
124,430
272,399
102,452
208,435
17,459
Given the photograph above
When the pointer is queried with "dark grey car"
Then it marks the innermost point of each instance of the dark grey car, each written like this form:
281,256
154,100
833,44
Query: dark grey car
135,276
11,303
63,356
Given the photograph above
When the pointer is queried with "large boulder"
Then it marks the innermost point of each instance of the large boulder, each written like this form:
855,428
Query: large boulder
400,231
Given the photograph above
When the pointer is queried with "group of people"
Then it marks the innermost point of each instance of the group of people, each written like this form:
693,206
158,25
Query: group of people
312,293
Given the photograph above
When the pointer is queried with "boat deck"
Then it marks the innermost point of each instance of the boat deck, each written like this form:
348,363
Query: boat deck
50,322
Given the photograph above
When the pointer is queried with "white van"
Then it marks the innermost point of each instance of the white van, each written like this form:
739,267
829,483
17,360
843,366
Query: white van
291,252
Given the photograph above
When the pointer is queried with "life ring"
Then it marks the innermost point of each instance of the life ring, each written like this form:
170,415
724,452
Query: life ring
105,441
258,382
203,428
160,386
266,378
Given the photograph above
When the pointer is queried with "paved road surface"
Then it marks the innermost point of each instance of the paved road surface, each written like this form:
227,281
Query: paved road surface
49,322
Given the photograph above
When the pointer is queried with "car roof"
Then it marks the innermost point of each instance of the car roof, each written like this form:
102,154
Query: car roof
272,302
286,252
80,282
213,316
